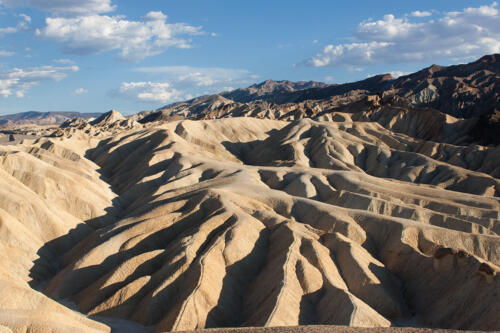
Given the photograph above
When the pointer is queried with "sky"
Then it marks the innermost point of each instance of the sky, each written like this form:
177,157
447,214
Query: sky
129,55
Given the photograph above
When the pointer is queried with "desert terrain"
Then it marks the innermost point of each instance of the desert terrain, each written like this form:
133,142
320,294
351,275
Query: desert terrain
373,204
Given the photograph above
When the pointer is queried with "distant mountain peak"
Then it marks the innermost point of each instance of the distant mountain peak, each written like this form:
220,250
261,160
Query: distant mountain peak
490,58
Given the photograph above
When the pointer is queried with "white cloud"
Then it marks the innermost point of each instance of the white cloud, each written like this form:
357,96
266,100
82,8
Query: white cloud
80,7
329,79
80,91
187,76
17,81
155,16
396,74
22,25
135,40
6,53
8,30
182,82
419,13
64,61
355,69
460,35
481,11
160,92
25,18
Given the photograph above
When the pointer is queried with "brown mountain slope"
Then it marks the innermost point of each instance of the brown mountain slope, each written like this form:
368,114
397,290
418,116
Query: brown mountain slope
464,91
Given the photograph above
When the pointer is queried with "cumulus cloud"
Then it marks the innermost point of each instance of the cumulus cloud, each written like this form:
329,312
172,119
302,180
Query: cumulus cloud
64,6
419,13
17,81
135,40
6,53
160,92
182,82
458,35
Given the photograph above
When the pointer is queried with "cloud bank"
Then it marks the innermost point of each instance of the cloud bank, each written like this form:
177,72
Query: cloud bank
458,35
82,7
178,82
18,81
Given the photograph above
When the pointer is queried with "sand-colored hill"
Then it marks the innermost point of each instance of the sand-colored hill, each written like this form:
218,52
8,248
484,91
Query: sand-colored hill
249,222
47,192
357,210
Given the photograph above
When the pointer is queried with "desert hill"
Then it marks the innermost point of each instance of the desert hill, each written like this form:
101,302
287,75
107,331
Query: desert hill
361,209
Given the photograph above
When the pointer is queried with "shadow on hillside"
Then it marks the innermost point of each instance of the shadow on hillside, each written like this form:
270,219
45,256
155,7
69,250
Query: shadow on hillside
57,253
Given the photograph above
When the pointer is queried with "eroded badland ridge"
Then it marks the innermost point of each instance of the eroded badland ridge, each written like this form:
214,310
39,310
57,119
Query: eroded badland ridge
370,204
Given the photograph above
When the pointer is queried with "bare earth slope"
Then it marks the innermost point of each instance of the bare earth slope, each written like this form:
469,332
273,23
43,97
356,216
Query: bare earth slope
247,222
47,191
361,211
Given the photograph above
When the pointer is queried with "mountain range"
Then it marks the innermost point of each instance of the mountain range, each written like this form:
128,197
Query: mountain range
41,118
465,92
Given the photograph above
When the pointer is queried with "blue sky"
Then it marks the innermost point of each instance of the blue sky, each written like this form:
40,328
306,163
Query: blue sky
96,55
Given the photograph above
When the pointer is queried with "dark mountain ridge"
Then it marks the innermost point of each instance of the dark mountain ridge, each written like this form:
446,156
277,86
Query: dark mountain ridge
464,91
268,89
